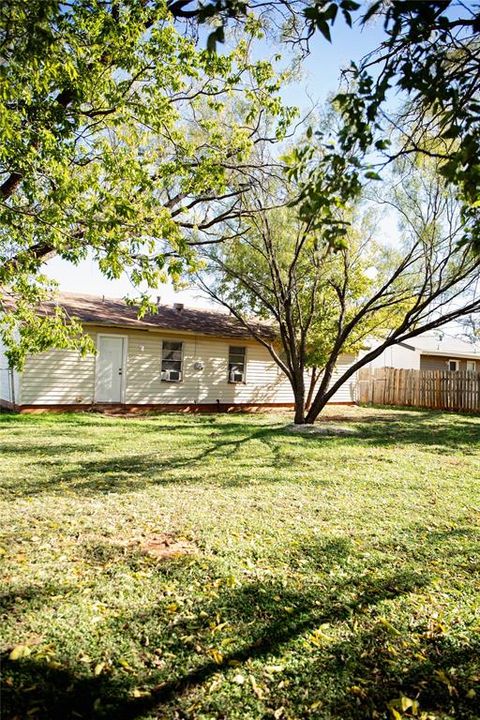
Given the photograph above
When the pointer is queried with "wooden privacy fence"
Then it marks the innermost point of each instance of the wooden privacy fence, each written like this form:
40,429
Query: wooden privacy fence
420,388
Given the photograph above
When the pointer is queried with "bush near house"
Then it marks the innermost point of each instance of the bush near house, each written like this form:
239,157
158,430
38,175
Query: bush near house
223,567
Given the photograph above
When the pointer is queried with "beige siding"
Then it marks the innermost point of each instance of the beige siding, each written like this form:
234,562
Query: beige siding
144,383
397,356
264,382
5,384
58,377
436,362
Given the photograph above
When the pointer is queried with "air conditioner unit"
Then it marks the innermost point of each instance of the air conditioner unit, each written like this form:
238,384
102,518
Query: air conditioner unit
171,375
236,376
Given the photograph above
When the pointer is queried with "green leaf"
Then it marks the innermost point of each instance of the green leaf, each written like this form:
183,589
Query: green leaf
374,8
324,28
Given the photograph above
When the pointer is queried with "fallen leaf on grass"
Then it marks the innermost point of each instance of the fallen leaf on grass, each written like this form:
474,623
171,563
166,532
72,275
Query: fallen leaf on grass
19,652
387,624
401,705
256,688
319,638
124,663
216,655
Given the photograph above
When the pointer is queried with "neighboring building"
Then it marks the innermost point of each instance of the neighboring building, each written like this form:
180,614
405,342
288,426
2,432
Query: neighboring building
179,358
426,352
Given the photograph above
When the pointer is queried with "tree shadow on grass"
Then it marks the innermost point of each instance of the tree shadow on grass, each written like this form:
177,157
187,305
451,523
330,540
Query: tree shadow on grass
352,676
274,616
124,473
435,433
42,451
14,601
272,446
228,441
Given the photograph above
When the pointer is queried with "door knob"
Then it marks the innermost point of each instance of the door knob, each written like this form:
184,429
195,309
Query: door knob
119,371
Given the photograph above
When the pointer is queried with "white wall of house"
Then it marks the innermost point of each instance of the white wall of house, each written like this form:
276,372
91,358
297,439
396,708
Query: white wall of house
397,356
9,381
64,377
56,377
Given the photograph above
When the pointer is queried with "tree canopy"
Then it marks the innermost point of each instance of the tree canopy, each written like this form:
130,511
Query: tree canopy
128,135
430,54
361,298
122,139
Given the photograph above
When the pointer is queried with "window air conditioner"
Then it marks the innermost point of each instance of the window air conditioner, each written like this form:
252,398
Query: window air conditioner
171,375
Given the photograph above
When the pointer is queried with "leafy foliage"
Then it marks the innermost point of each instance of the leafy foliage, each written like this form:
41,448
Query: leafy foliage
366,294
430,54
120,139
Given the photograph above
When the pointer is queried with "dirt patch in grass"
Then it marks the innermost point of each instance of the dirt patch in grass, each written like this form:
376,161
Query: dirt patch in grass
320,430
165,547
361,415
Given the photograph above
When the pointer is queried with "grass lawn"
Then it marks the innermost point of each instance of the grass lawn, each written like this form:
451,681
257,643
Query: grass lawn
331,576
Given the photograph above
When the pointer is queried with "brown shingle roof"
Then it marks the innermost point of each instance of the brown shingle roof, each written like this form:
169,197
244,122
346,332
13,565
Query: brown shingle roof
115,312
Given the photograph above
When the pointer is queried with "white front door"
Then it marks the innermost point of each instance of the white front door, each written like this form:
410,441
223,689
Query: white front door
110,369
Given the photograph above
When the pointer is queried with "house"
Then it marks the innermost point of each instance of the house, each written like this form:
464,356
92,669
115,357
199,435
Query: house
176,359
427,352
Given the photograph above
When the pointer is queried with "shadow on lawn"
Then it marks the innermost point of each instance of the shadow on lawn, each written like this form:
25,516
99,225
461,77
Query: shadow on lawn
277,449
353,677
435,432
123,473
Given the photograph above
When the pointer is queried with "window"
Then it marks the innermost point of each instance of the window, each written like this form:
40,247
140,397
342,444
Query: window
172,361
471,366
453,365
236,364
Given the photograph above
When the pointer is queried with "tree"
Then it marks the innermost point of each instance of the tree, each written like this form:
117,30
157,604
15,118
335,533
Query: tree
470,329
431,54
324,303
121,139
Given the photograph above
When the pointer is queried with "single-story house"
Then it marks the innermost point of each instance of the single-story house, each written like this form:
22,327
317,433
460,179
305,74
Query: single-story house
427,352
176,359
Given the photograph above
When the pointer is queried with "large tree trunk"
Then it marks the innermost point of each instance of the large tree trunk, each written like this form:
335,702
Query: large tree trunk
322,396
317,407
299,418
311,388
298,387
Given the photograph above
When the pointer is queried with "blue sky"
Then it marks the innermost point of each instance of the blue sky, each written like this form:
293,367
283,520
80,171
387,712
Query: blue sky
319,79
322,68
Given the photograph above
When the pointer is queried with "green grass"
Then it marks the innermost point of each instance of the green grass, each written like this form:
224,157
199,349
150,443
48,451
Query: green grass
335,576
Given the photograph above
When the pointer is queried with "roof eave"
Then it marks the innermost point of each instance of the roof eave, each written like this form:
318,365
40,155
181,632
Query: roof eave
453,355
151,327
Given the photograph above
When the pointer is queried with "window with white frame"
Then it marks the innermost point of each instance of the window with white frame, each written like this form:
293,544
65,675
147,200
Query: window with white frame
172,361
236,364
471,366
453,365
